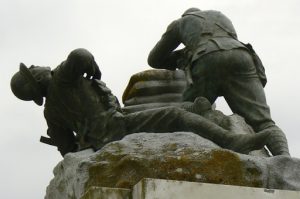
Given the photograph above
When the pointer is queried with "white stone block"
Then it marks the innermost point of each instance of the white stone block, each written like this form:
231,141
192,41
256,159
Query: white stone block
169,189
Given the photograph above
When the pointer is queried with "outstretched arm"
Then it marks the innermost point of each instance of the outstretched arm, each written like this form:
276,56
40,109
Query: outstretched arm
163,56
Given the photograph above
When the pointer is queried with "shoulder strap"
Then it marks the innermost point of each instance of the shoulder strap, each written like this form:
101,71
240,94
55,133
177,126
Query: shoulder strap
260,69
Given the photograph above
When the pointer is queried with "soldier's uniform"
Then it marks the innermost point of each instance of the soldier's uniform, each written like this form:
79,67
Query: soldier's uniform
80,105
219,65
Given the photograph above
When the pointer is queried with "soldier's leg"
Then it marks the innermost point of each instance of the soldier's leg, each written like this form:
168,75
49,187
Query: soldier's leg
63,139
173,119
245,95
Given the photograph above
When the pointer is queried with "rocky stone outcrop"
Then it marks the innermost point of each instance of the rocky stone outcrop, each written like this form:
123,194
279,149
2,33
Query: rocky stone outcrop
176,156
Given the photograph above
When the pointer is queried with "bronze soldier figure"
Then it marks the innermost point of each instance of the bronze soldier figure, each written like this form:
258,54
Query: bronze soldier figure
218,64
83,105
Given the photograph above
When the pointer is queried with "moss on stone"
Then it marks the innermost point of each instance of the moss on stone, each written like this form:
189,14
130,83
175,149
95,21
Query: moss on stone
215,166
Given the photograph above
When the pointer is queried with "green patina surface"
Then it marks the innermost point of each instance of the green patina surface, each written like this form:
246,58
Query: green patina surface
217,166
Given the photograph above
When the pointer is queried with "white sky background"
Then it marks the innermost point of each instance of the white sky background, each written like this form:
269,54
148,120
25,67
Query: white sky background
120,35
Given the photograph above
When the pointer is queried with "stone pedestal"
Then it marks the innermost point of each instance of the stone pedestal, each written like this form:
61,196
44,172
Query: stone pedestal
170,189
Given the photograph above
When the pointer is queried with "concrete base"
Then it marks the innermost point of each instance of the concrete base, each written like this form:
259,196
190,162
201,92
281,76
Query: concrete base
169,189
107,193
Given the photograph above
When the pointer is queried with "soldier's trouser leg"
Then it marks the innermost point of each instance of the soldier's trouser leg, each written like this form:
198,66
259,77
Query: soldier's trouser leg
245,95
172,119
63,139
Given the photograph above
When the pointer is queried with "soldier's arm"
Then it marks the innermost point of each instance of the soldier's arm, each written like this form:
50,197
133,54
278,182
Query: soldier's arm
163,54
109,100
70,73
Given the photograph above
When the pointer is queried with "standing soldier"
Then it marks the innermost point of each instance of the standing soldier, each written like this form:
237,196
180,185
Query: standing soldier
218,64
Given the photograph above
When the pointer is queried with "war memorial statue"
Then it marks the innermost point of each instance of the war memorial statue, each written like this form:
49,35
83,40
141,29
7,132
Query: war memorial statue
218,64
77,101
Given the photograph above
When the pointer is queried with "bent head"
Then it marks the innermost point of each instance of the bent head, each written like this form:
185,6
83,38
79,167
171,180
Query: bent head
82,58
31,83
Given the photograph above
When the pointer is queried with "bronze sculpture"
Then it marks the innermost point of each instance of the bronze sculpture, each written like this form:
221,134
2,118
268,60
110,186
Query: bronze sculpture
218,64
83,105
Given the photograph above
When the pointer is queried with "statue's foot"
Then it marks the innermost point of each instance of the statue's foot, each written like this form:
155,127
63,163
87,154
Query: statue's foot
277,144
244,143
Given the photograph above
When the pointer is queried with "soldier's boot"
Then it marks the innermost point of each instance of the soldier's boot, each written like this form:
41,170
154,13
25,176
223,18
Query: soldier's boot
277,144
245,143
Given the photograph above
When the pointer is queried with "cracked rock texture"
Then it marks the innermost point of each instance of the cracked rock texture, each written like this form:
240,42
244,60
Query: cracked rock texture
176,156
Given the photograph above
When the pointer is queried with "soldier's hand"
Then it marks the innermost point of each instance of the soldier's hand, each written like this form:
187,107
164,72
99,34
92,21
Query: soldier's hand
97,74
93,72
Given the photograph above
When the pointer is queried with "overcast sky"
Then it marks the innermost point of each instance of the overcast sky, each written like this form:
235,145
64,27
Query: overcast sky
120,34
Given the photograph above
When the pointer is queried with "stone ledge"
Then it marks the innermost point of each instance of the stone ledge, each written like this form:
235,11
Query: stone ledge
107,193
170,189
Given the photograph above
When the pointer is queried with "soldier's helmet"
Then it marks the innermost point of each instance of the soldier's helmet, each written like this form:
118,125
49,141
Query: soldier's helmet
84,59
190,10
25,87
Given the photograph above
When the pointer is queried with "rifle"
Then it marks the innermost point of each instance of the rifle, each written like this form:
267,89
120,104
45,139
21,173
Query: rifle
184,64
47,140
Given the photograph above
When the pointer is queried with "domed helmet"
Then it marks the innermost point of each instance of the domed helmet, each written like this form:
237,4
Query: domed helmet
82,58
190,11
25,87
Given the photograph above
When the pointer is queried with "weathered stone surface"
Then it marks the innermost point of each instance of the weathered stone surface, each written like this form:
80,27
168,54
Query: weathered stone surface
70,178
174,156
